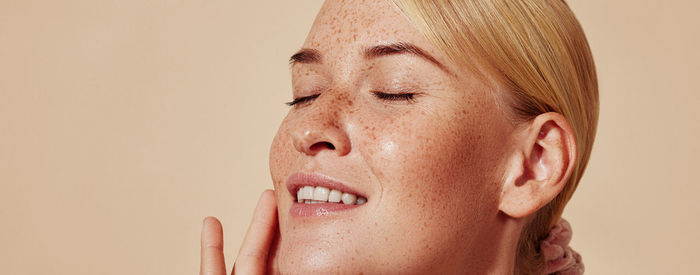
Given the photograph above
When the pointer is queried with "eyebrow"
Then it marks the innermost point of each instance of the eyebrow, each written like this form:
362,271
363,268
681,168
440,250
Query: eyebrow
403,48
305,56
310,56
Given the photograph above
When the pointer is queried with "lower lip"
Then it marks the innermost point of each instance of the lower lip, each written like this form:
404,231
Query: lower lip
318,209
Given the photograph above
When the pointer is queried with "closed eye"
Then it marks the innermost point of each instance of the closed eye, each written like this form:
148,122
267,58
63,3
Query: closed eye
300,100
409,97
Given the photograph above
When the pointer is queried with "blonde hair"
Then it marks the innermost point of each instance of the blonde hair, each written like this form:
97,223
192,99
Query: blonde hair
542,55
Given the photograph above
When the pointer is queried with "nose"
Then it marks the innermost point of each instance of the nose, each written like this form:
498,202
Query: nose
322,129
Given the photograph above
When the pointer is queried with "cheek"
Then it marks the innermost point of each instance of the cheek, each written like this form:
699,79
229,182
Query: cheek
439,176
443,169
426,156
282,155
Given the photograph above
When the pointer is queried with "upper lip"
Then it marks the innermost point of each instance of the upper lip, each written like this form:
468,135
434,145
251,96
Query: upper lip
299,180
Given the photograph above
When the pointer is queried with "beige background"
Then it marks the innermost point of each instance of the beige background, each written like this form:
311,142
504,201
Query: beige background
124,123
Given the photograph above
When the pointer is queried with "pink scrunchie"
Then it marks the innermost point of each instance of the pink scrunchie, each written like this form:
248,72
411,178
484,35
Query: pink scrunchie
560,258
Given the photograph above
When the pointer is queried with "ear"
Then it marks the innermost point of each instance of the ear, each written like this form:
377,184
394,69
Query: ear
540,165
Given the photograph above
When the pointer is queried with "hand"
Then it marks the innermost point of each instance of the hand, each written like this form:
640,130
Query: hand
255,251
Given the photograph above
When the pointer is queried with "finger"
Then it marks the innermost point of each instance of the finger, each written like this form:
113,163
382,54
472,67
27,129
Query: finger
272,257
212,254
252,257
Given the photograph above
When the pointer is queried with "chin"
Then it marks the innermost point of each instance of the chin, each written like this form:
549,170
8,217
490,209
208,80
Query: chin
313,252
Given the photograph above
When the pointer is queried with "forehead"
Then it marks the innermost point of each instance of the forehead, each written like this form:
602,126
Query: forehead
346,25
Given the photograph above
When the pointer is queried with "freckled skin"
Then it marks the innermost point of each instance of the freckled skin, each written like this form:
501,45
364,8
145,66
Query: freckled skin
431,168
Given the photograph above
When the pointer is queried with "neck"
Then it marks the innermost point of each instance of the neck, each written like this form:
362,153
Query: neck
500,245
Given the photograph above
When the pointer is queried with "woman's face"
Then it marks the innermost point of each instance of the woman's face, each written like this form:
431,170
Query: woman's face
382,114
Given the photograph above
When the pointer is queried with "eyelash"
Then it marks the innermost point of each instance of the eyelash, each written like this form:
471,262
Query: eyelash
300,100
408,97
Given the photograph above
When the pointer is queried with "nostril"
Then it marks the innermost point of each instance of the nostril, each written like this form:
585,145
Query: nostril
322,145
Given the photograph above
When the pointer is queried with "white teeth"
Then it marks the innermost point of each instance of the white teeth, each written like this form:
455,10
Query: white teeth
311,195
321,193
349,198
305,193
335,196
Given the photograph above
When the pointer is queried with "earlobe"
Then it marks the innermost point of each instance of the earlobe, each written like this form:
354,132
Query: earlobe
540,165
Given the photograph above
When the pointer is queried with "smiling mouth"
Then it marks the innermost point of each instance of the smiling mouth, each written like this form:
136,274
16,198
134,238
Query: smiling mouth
320,194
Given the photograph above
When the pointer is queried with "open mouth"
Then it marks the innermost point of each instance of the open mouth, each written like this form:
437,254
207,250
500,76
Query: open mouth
319,194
